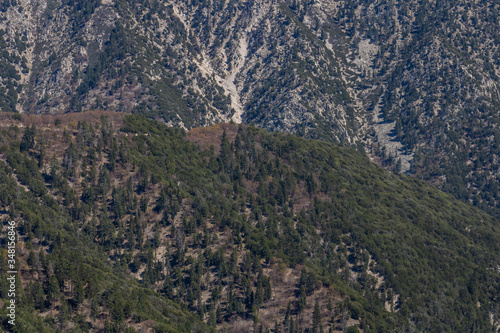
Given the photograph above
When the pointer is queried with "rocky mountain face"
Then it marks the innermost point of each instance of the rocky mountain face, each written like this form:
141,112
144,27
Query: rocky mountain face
434,83
189,63
415,83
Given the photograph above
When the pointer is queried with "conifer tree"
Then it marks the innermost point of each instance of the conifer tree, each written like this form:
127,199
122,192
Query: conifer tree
28,139
317,325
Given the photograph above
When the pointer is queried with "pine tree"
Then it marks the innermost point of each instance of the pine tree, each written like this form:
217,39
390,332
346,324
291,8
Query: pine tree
38,295
79,295
212,319
225,154
28,139
268,292
259,294
302,298
94,309
317,326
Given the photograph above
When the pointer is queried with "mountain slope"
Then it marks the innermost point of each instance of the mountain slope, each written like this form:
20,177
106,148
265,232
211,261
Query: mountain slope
185,63
243,227
415,83
430,71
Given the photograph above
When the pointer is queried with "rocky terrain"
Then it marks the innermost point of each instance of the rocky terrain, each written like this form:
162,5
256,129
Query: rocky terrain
414,83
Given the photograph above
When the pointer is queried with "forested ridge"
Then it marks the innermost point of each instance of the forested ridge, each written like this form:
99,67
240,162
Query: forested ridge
127,224
413,83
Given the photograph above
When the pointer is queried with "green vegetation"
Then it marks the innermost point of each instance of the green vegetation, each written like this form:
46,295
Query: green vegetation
9,76
67,270
206,229
317,70
435,66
